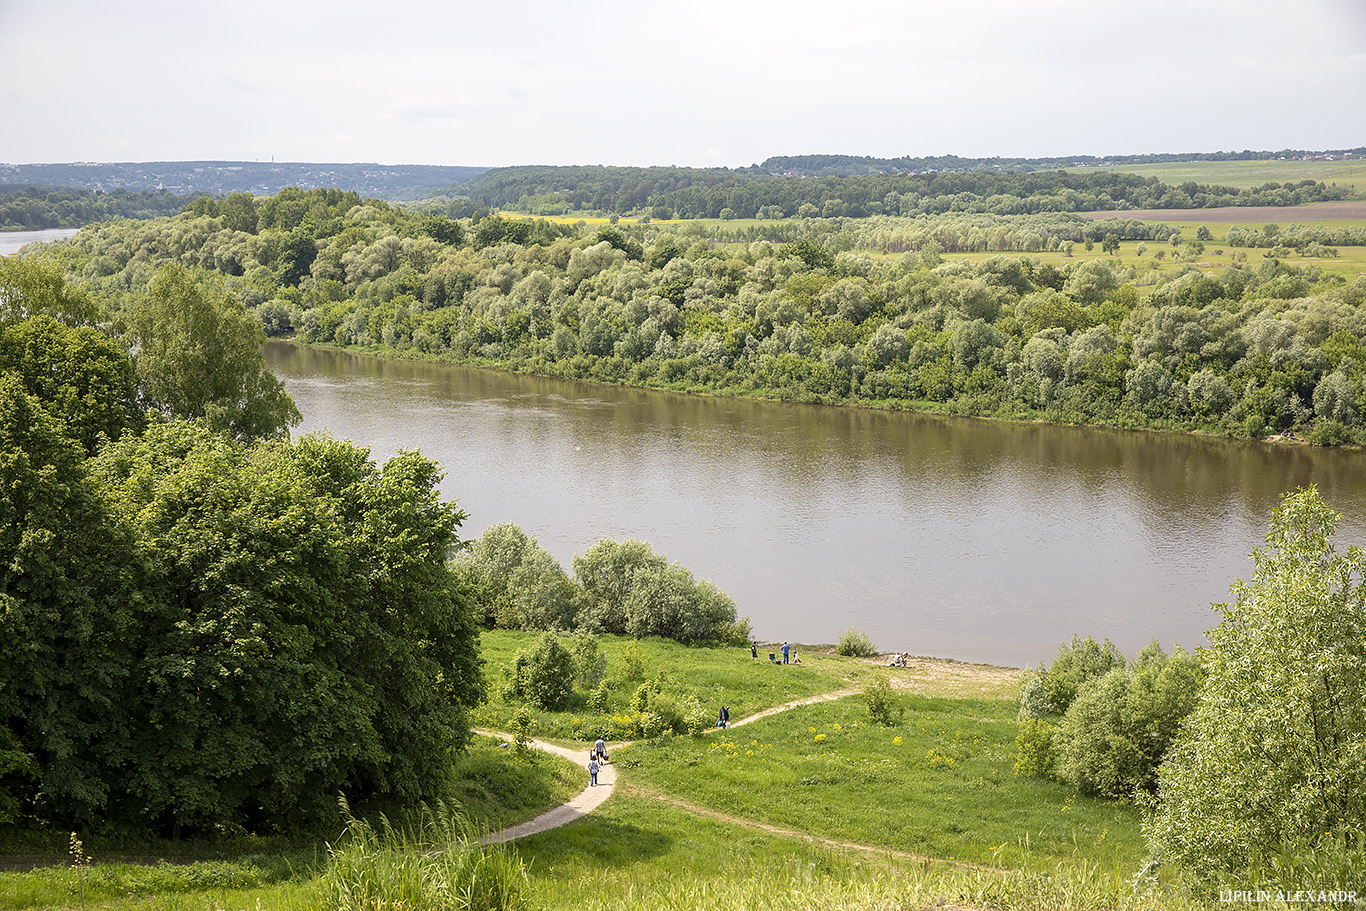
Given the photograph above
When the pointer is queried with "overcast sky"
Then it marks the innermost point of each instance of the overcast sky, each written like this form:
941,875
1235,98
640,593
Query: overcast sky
699,83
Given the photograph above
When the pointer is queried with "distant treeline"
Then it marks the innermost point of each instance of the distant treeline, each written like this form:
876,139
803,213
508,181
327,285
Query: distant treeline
1260,346
264,178
833,165
32,207
666,193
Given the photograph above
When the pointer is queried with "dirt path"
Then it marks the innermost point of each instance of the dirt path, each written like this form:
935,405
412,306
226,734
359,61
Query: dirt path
805,836
590,798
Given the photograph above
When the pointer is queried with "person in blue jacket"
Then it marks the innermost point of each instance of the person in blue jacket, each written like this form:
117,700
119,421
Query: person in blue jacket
784,653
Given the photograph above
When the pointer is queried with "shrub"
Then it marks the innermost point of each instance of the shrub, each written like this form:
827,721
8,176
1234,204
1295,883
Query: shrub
544,674
856,644
1034,701
1034,749
1078,661
1119,727
590,664
882,702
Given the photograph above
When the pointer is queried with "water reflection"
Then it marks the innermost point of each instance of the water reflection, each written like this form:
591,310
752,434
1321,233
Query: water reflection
954,537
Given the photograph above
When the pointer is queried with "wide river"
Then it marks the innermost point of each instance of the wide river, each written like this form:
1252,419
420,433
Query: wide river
953,537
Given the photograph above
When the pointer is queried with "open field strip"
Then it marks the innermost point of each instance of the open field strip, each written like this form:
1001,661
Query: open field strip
1247,174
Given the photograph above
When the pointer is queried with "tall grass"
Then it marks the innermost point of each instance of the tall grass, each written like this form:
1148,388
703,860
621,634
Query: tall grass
436,865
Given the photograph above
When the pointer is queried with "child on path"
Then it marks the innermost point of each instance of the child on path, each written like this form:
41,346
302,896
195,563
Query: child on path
593,767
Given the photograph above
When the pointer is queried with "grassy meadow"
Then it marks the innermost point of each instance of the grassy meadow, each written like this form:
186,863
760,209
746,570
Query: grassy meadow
812,806
1247,174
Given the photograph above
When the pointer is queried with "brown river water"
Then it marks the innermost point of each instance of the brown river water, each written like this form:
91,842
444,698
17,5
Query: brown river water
958,538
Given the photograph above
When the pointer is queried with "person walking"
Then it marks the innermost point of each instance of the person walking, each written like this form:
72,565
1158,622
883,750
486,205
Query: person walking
725,717
784,653
754,650
593,767
600,749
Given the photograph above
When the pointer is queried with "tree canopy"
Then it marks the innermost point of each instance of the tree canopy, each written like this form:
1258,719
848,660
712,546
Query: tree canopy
1273,759
197,352
226,634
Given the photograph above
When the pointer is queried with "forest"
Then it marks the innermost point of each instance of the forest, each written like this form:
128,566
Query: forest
32,207
665,193
868,312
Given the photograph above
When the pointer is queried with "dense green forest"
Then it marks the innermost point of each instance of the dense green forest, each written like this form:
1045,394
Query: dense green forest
205,627
32,207
843,165
865,312
719,193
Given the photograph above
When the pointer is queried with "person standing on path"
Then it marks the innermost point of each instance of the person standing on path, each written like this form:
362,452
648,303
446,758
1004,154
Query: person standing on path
593,767
725,717
784,653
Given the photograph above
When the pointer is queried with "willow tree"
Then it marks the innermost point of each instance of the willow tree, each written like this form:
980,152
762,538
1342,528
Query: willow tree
1273,759
197,352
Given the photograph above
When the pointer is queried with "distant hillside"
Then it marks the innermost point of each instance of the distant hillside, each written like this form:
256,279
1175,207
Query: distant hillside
851,165
31,207
188,178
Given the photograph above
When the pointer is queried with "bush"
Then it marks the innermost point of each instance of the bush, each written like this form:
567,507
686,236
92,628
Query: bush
1078,661
590,664
1034,749
856,644
882,703
1118,729
544,674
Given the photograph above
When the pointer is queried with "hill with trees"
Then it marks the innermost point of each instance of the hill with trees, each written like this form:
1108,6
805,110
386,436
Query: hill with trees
828,310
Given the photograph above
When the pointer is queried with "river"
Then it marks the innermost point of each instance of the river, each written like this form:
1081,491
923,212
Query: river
12,241
959,538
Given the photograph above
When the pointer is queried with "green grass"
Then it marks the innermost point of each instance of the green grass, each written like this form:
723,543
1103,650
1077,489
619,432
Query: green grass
940,783
497,789
1218,256
1244,174
715,676
638,852
933,799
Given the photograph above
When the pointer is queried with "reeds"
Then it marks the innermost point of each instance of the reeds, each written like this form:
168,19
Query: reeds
437,864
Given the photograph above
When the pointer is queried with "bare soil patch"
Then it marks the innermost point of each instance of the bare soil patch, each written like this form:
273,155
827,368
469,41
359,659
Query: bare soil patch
1342,210
945,677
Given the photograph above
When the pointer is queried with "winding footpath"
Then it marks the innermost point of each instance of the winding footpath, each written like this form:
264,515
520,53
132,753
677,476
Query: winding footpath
591,797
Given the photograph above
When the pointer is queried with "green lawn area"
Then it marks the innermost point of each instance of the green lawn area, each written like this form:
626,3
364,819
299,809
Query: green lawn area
940,783
933,802
714,676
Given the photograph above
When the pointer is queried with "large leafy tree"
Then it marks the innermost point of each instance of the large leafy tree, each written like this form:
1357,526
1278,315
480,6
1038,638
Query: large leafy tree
198,355
303,635
80,375
30,287
1273,759
68,601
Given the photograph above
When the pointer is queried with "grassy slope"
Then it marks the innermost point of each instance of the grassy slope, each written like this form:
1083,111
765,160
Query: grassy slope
944,791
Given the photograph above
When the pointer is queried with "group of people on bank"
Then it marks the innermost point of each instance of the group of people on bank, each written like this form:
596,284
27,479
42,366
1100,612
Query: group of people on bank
795,658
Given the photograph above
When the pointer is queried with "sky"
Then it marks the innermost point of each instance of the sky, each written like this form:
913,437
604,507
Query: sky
702,83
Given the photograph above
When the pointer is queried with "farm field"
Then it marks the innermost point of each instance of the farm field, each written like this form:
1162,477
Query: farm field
1244,174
